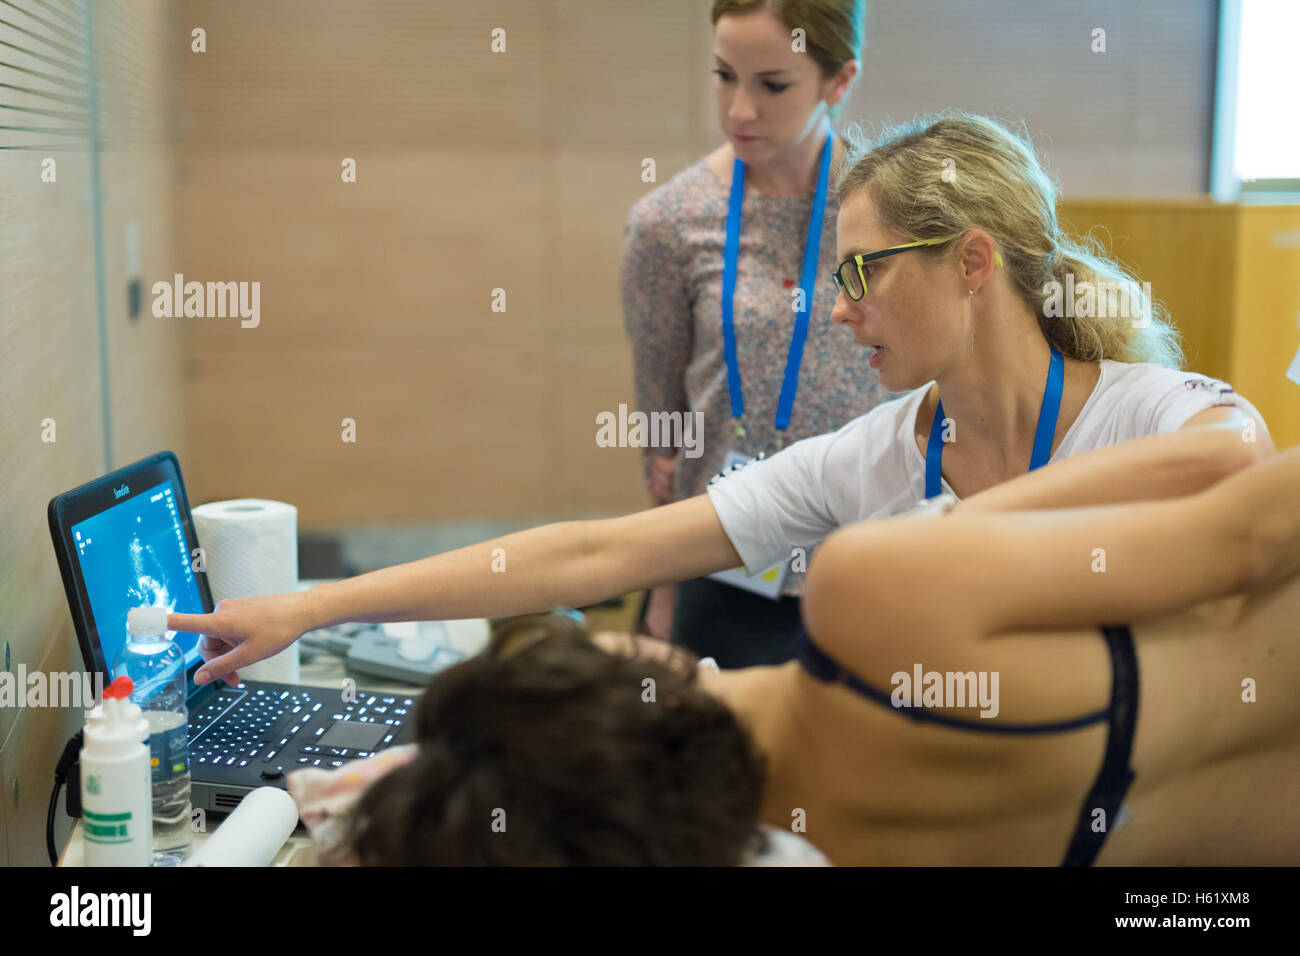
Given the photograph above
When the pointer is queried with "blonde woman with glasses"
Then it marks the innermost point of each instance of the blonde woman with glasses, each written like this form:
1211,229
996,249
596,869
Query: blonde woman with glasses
949,249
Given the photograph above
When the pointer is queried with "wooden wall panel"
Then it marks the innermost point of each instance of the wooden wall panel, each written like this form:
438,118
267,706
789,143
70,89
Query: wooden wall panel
435,435
593,480
376,295
138,44
593,189
146,371
1185,250
51,370
1230,276
1266,329
621,72
52,341
407,255
591,360
385,72
31,751
376,305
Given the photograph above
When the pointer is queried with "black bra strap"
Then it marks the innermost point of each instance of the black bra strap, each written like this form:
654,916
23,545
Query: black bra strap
825,668
1116,775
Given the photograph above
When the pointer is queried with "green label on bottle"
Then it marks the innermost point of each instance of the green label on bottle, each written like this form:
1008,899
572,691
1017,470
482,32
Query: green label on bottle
107,827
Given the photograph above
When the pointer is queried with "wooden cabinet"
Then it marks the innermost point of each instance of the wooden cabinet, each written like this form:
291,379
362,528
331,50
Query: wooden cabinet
1230,278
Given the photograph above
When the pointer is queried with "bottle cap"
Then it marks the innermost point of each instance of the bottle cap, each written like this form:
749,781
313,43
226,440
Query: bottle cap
147,620
118,727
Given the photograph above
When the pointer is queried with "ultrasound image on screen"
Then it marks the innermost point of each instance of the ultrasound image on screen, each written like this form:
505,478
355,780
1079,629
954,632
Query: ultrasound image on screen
135,555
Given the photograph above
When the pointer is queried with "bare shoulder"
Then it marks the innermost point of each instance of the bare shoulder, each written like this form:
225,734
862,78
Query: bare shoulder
837,603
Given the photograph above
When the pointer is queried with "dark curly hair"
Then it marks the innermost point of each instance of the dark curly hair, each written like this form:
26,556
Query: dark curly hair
544,750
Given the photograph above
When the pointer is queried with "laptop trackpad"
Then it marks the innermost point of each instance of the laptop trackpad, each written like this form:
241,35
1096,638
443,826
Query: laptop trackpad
354,735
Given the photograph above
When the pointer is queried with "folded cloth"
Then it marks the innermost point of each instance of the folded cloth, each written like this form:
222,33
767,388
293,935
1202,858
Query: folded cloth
326,798
785,848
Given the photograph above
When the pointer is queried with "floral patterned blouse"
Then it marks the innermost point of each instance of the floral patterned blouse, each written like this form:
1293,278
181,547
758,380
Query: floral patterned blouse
672,306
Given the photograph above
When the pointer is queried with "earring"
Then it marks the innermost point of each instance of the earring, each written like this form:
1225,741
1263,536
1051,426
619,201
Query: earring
971,300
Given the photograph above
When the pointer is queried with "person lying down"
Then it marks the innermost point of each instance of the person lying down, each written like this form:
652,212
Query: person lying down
1115,685
554,739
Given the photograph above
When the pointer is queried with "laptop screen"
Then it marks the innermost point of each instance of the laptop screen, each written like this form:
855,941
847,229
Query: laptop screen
134,554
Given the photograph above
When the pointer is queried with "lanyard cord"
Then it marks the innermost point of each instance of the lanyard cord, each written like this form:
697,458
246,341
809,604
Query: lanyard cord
731,250
1047,415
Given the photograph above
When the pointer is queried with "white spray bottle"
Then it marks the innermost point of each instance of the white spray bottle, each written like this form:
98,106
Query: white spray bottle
116,782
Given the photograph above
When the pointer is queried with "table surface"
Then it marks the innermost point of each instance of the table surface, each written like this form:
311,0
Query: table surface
326,670
323,670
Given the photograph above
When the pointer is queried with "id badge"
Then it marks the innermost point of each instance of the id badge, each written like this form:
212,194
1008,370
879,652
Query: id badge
769,582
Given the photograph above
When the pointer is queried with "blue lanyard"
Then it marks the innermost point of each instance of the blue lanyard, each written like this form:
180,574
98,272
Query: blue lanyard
806,279
1047,415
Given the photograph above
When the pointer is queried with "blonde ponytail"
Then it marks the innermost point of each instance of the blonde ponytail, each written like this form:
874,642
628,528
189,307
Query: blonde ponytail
939,176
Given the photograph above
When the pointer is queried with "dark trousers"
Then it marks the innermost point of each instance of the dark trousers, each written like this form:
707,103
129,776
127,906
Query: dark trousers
735,627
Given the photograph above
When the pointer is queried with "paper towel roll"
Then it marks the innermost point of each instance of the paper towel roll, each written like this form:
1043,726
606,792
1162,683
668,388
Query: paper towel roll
250,547
253,834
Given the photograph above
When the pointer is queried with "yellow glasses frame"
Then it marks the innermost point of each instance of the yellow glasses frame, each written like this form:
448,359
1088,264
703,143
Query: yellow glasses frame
859,260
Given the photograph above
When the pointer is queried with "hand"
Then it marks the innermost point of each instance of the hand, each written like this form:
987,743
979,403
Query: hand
659,478
659,613
242,631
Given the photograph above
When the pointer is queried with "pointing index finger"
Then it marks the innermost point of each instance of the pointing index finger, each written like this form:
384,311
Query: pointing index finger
190,623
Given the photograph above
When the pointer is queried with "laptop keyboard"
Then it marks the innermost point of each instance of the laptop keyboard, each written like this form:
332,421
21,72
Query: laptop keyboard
234,732
390,711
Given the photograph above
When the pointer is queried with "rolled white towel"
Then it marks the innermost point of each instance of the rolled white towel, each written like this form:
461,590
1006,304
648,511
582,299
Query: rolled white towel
785,848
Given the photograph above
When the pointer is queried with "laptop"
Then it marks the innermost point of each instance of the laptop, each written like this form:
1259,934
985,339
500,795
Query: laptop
126,540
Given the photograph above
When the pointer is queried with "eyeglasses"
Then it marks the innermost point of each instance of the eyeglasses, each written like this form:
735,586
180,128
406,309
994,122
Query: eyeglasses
850,277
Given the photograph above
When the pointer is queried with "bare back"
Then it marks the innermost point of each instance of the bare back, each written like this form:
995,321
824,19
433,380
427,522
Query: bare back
1217,778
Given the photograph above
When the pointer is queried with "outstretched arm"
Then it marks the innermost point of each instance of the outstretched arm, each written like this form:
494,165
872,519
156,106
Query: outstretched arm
570,563
1212,445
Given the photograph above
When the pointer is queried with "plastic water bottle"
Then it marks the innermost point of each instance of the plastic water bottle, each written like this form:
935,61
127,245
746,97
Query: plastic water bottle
156,666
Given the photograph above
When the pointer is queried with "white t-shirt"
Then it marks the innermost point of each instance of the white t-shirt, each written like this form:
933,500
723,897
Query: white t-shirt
872,468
